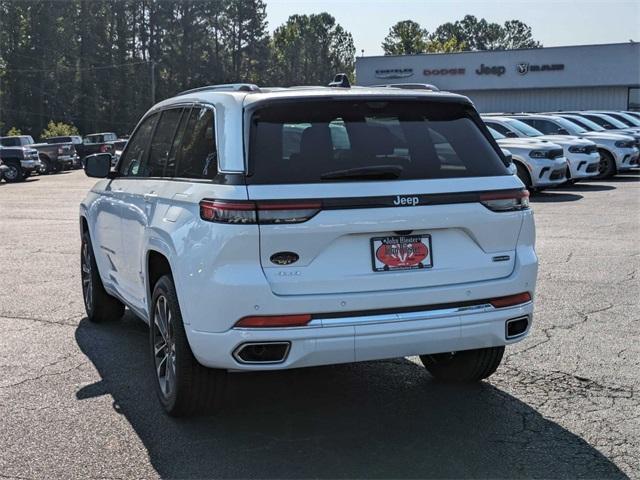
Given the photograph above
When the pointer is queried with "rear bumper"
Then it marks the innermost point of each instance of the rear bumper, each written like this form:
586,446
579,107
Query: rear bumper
355,339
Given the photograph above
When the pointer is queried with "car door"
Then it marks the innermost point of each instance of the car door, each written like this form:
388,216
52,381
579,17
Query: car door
141,206
130,173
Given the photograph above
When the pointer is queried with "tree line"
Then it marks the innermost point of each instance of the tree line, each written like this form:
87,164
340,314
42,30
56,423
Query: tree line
98,65
469,34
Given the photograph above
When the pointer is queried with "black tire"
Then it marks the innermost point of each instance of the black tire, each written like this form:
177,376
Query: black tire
465,366
15,173
47,165
607,166
524,176
192,388
569,181
99,305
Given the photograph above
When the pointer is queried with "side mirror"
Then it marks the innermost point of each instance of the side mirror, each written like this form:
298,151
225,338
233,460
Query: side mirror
97,165
510,134
562,131
508,157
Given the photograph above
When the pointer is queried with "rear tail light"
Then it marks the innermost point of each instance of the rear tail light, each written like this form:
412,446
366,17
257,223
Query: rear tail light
505,201
250,212
510,300
267,321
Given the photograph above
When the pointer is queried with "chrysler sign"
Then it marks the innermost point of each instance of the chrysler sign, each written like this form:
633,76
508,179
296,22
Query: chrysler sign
394,73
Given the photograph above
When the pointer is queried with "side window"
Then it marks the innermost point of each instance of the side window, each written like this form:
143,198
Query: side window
500,128
546,127
177,141
134,156
161,144
196,156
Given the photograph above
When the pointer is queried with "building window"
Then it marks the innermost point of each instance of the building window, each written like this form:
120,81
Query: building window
634,99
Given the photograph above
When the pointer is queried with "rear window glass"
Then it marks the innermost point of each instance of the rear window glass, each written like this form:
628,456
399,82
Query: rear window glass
313,142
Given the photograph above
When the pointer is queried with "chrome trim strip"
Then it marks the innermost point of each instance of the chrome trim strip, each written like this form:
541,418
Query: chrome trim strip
389,317
401,317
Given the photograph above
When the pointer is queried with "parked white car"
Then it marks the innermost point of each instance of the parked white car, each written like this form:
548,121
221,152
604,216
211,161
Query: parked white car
539,163
629,120
583,158
618,152
610,124
250,236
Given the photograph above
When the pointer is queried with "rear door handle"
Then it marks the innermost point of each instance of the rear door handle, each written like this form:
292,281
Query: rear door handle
149,197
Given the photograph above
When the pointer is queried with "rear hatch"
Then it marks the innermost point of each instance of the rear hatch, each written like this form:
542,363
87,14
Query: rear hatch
366,196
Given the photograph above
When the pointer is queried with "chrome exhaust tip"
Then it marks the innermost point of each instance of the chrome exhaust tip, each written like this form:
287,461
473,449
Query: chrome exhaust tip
261,352
516,327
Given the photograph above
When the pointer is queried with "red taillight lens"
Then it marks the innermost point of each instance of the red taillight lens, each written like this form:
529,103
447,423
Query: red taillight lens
245,212
505,201
274,321
228,212
510,300
287,212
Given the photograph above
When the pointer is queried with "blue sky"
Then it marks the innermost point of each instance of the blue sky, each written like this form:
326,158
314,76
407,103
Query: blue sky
554,23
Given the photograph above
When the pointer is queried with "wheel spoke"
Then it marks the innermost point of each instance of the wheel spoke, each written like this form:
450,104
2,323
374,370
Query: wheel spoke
159,347
161,367
160,322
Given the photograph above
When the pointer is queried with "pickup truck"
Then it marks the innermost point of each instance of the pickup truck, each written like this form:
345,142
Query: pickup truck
54,158
20,163
96,143
75,141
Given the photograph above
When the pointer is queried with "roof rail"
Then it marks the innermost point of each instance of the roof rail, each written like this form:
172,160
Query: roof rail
409,86
234,87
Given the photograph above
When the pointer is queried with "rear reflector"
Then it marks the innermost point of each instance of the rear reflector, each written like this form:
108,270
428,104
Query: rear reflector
249,212
510,300
505,201
274,321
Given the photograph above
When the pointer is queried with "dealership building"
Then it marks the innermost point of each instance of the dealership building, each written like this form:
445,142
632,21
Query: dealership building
533,80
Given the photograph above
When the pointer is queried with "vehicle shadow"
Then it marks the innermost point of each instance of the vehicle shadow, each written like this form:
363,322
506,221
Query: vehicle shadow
624,177
584,187
375,419
26,180
550,196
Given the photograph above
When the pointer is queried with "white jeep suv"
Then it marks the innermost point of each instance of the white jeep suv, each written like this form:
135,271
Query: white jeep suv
263,229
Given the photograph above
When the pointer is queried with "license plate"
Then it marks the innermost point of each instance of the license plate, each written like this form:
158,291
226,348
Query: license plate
402,252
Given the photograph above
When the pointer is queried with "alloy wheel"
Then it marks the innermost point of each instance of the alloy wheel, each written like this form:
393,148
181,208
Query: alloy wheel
164,348
11,174
87,284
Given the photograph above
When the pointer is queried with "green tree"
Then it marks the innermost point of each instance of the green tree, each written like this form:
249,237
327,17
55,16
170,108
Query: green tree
474,34
58,129
450,46
13,131
310,50
405,38
516,34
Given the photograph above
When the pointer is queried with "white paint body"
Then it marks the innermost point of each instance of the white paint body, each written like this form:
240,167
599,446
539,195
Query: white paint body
222,272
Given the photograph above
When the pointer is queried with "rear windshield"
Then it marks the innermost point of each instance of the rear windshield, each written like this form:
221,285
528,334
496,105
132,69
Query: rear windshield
59,140
327,141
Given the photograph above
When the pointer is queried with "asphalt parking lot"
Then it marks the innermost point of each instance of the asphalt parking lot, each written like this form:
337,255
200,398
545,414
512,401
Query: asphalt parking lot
76,399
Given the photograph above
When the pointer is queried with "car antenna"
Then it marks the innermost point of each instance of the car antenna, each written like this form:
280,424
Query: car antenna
340,80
